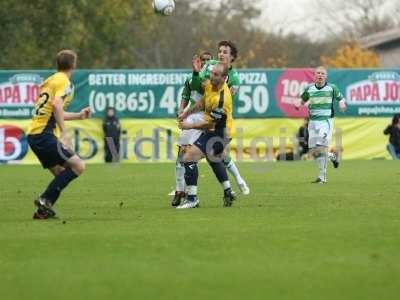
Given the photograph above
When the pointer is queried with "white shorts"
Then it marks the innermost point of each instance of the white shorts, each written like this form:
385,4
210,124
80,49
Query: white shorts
189,136
320,133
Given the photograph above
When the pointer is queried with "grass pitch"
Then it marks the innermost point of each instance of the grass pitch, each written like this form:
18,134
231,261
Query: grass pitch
118,237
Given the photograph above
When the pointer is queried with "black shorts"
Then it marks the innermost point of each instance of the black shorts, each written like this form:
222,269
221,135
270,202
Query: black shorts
211,144
49,150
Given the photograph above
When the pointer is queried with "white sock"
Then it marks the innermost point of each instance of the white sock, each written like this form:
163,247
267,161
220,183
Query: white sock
235,172
226,185
332,156
180,177
322,161
192,190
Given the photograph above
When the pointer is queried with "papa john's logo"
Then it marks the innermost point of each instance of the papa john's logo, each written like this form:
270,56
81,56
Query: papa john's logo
13,143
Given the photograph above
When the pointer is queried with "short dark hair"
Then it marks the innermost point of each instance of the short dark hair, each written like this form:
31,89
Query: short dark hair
232,46
206,53
66,60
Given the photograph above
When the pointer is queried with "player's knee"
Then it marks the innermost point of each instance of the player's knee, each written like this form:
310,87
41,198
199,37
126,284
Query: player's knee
81,167
187,156
78,166
318,151
314,152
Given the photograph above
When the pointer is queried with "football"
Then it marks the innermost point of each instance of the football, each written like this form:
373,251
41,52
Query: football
164,7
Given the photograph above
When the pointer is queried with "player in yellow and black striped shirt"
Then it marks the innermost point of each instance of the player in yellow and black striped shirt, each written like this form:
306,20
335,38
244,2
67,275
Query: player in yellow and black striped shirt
218,128
56,93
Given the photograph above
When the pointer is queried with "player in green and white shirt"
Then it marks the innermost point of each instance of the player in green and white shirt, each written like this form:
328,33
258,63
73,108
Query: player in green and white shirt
227,54
320,97
187,137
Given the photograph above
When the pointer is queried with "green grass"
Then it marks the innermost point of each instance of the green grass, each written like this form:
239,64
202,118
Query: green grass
288,240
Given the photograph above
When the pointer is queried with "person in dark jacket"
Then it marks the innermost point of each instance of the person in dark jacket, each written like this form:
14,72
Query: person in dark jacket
112,133
302,136
393,131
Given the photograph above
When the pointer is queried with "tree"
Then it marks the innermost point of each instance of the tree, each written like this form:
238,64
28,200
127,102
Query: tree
352,56
128,34
356,18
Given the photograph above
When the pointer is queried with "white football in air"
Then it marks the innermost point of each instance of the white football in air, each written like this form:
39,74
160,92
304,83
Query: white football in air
164,7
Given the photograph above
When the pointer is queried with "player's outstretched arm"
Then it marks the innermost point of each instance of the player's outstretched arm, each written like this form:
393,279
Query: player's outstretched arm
196,82
82,115
198,125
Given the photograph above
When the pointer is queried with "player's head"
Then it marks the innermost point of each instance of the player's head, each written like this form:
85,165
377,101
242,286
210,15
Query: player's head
66,60
219,74
205,56
321,75
227,52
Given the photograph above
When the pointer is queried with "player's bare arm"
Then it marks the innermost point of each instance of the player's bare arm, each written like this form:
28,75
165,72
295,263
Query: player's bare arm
182,106
58,111
199,125
58,106
199,106
84,114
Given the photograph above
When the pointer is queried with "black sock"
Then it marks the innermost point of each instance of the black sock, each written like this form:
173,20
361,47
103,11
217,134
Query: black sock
55,187
219,171
191,173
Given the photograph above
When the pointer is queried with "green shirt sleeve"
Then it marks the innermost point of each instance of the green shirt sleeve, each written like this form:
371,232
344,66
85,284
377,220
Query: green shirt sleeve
186,90
234,81
195,84
305,96
337,95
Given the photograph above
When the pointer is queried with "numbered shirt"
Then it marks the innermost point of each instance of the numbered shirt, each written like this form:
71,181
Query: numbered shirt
57,85
233,80
321,100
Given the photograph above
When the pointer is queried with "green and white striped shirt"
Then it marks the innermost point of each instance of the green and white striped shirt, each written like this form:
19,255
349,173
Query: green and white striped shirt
321,100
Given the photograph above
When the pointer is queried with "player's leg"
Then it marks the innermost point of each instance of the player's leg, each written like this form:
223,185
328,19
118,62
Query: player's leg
65,166
313,142
56,170
190,159
332,156
179,193
44,207
320,155
234,171
186,139
215,153
219,170
320,133
73,168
